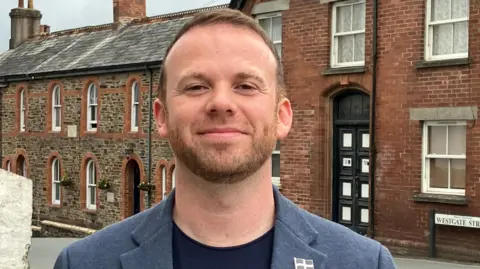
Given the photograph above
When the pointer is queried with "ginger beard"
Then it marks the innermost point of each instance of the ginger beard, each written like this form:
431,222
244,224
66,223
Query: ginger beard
223,163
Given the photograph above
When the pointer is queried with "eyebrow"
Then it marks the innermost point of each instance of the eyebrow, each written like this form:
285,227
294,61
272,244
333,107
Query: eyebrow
249,75
192,75
204,77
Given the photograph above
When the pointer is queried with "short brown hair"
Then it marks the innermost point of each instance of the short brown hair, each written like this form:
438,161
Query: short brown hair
218,16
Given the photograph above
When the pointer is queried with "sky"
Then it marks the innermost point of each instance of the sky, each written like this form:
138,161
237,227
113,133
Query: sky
67,14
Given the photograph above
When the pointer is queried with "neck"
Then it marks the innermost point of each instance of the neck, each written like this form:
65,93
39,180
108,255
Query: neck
222,215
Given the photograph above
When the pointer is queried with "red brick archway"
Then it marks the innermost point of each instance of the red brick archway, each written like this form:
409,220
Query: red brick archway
128,166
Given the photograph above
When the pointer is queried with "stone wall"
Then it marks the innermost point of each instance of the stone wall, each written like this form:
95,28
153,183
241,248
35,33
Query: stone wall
73,145
15,220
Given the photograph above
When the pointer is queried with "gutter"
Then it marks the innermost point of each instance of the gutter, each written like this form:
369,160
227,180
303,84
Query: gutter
373,149
81,72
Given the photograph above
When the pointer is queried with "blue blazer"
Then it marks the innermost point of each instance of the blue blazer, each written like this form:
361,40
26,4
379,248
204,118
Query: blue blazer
145,241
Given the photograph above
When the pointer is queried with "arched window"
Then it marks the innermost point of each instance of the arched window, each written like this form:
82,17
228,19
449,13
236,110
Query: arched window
22,110
135,107
91,199
56,109
92,106
56,182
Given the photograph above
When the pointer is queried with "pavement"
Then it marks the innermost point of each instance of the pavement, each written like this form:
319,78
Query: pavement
44,251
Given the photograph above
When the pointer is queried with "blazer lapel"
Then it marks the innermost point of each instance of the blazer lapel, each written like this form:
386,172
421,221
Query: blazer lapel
293,238
154,239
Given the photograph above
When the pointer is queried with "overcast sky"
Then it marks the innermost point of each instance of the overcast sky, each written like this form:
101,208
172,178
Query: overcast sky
66,14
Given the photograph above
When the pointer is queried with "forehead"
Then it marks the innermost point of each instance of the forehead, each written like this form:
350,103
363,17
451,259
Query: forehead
225,44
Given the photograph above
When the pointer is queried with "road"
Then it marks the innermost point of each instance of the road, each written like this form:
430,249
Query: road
44,251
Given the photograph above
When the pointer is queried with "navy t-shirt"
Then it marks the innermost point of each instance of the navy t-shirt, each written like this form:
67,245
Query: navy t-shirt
188,253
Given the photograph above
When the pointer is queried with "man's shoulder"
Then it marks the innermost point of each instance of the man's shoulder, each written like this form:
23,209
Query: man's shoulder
103,248
346,248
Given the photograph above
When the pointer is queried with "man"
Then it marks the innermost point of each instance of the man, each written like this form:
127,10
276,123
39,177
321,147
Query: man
222,105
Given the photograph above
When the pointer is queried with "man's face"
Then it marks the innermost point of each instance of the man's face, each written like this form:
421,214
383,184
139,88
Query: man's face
222,115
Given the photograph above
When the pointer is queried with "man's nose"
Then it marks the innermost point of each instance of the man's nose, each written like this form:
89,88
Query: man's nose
221,100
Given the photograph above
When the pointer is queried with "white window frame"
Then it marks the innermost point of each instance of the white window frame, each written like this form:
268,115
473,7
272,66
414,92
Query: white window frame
90,122
334,38
22,110
270,17
56,181
275,180
164,182
134,113
429,34
88,178
56,108
9,166
425,156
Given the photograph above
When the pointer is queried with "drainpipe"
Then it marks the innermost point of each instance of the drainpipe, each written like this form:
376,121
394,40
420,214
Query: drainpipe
149,142
373,149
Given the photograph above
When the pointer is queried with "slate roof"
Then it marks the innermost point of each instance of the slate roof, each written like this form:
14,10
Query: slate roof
144,41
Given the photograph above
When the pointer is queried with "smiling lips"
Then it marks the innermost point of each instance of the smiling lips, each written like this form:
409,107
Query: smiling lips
220,133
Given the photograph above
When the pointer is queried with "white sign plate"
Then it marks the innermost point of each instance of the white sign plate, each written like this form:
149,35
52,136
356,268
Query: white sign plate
459,221
347,162
365,140
365,167
110,197
347,140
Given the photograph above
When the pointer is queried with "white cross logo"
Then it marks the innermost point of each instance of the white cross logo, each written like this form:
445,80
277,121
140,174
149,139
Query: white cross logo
303,264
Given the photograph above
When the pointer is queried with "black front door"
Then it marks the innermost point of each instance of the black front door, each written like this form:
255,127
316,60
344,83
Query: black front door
351,162
136,190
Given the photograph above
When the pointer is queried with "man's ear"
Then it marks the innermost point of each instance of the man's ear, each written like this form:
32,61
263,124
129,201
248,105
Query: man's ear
159,111
285,118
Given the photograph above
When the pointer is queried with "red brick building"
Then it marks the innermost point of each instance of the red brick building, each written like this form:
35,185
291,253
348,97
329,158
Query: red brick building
385,96
384,92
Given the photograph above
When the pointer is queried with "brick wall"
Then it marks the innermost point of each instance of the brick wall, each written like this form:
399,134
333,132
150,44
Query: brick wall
306,162
107,146
402,86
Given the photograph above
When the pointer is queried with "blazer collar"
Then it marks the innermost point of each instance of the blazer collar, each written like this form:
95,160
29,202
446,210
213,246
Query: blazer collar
294,237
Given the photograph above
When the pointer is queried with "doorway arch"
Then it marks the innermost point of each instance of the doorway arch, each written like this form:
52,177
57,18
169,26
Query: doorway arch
133,198
351,151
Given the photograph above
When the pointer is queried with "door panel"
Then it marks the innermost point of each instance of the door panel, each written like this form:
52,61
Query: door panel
351,177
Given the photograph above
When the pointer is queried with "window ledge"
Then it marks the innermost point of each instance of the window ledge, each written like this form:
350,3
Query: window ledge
442,63
343,70
90,211
440,198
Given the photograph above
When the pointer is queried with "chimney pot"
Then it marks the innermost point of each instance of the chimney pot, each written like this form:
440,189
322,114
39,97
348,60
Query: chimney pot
20,4
30,4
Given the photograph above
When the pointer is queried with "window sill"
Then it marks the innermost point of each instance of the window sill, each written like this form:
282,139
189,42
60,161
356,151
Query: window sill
440,198
55,205
344,70
90,211
442,63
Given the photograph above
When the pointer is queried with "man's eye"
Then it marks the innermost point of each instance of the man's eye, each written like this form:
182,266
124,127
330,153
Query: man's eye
245,87
195,88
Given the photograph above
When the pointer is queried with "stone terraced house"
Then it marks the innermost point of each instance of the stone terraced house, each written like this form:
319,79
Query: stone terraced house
385,96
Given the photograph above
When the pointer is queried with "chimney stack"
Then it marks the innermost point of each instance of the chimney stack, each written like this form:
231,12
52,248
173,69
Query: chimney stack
25,23
127,10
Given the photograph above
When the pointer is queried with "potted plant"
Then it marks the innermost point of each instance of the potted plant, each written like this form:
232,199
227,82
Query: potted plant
66,180
146,186
103,184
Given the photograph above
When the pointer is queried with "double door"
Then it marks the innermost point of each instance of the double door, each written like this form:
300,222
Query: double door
351,177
